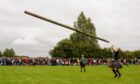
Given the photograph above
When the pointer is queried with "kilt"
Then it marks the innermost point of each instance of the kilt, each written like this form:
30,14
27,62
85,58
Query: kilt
115,65
82,64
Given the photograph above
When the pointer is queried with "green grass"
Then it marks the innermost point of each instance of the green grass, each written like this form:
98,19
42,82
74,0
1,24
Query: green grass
67,75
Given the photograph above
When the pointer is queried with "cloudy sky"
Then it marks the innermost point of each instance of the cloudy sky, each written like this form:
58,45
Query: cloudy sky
115,20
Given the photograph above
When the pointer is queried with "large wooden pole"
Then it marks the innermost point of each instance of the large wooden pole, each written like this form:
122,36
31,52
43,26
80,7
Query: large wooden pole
63,25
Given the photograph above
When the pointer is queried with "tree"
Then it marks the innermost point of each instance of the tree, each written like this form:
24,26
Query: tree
136,53
9,52
122,54
1,54
78,43
63,49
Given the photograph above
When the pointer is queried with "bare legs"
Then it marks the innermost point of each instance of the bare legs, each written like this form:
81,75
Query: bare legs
116,72
83,68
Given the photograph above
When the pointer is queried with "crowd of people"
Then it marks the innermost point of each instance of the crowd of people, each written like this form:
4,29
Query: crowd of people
60,61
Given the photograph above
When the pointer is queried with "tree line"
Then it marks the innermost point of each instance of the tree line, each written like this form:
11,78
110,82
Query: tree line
100,53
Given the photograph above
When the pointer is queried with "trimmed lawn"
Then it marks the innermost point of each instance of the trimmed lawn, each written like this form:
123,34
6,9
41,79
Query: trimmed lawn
67,75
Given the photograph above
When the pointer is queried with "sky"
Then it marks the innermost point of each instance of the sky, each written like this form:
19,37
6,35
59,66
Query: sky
115,20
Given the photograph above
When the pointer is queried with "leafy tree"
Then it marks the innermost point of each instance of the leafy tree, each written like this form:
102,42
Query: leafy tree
9,52
63,49
78,43
1,54
136,53
122,54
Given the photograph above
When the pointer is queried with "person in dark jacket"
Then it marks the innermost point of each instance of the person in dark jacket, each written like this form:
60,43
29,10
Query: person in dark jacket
115,64
83,63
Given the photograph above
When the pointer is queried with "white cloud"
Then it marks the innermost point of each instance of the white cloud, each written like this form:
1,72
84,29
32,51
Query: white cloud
25,41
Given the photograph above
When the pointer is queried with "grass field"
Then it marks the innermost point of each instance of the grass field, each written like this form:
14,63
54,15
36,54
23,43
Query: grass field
67,75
